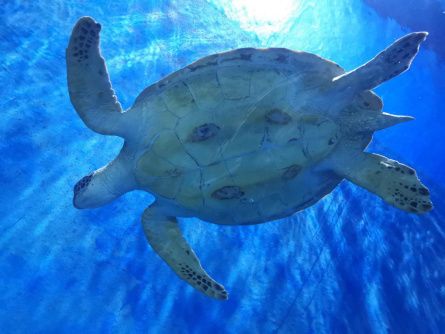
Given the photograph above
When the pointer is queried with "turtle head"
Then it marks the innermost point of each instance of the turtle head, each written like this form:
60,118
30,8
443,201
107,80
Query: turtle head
86,192
104,185
97,189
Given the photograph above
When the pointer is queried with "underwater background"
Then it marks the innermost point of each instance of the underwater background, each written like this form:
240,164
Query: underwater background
349,264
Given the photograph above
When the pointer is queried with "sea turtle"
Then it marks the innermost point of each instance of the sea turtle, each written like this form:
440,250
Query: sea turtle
239,137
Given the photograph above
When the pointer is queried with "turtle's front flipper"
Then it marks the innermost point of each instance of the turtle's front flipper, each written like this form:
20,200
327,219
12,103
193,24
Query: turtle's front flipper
389,63
165,238
394,182
88,81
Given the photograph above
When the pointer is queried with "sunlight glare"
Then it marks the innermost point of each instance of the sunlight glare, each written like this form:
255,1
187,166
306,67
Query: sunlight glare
262,17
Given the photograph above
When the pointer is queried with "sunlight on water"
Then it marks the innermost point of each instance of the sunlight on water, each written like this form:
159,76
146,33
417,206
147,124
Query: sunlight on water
262,17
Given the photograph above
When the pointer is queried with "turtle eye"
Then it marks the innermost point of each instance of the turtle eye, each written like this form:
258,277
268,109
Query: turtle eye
82,183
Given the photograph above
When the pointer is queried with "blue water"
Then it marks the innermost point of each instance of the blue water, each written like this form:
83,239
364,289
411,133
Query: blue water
349,264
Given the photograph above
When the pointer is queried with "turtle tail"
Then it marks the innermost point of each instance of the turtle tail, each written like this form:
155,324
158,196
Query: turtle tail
383,121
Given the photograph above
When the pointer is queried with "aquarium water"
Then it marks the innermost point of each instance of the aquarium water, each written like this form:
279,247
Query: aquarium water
348,264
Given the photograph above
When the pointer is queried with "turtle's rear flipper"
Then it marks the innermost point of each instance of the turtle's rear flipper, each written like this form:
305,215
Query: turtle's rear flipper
88,81
165,238
389,63
394,182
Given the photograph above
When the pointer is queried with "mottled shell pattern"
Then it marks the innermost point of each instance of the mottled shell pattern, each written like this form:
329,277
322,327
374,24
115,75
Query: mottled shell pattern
235,134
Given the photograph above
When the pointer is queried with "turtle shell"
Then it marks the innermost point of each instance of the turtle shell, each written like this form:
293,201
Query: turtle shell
233,137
